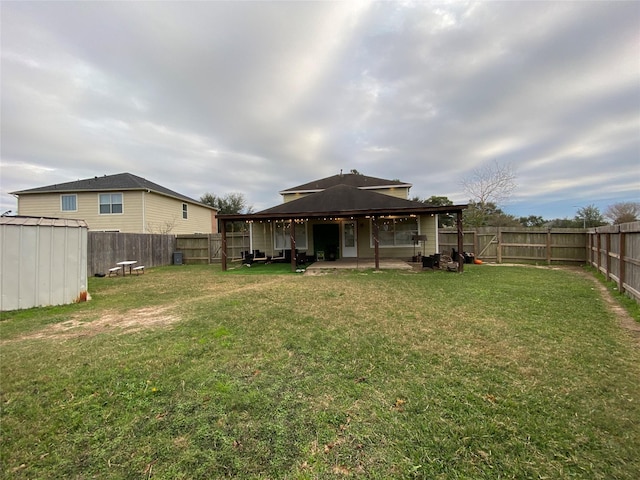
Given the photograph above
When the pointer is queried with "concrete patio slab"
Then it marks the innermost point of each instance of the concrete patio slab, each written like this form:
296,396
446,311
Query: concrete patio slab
358,264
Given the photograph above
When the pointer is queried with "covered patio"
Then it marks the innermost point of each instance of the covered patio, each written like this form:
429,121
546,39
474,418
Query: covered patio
359,264
331,208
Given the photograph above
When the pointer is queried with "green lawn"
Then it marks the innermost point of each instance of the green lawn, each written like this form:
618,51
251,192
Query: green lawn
189,372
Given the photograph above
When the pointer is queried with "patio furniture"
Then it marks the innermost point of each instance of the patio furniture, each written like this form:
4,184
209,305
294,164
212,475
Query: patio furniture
260,256
125,264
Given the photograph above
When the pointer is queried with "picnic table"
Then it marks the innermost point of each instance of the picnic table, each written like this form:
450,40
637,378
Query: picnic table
125,264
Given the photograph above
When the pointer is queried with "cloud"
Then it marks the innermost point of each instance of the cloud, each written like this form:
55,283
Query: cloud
254,97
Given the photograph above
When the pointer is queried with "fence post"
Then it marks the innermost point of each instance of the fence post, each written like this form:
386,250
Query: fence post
549,246
460,242
476,246
622,262
608,257
499,247
598,254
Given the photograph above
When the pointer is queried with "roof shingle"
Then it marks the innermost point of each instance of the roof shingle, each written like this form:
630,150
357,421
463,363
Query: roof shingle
120,181
351,179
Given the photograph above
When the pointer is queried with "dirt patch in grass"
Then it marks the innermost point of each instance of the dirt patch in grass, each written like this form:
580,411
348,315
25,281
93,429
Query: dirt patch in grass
127,322
134,320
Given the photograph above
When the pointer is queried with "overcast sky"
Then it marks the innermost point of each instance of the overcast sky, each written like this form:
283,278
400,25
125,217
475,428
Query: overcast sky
258,97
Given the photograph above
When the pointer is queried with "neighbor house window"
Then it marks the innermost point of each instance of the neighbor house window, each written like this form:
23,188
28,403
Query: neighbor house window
282,239
110,203
69,203
184,211
396,232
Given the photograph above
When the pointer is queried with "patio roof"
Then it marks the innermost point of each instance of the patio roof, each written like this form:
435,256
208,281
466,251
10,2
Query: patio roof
344,201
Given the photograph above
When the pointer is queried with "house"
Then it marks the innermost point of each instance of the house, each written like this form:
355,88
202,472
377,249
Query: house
346,216
120,203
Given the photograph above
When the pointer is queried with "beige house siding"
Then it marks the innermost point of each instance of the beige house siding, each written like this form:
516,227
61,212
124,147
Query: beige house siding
164,215
140,210
263,239
88,209
399,192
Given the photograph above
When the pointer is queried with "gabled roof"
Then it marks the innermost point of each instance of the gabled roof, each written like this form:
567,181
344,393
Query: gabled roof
344,201
118,182
352,179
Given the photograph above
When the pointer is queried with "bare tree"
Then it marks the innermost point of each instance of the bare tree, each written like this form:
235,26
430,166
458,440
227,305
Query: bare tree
164,227
623,212
490,185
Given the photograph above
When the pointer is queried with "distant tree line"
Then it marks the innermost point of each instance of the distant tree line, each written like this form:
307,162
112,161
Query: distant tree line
492,184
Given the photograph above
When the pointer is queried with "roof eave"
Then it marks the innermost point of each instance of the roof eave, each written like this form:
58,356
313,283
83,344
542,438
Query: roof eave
344,213
368,187
136,189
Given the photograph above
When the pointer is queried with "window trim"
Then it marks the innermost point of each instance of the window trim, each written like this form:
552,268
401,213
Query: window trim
110,203
380,245
75,196
284,228
185,211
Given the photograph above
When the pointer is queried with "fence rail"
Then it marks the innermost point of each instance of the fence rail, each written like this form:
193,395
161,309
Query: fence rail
615,251
509,244
105,249
204,249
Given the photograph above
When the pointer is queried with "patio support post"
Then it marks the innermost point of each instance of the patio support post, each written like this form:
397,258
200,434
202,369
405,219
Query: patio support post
223,256
460,243
376,242
292,236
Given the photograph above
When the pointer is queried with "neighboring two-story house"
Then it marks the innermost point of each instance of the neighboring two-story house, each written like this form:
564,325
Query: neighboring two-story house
120,203
347,216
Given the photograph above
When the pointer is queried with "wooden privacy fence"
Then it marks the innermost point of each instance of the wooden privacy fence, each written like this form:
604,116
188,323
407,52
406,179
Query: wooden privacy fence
205,249
513,244
615,251
105,249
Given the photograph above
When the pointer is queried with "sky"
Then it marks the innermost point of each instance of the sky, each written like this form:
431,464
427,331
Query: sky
257,97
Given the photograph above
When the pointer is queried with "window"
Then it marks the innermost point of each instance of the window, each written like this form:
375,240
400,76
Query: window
69,203
282,240
396,232
184,211
110,203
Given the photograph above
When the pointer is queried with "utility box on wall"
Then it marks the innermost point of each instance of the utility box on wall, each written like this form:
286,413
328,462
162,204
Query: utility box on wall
43,261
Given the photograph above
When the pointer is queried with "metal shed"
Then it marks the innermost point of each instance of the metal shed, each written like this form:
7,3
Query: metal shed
43,261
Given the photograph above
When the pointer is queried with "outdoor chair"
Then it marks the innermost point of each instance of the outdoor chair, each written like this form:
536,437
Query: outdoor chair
301,258
247,258
260,256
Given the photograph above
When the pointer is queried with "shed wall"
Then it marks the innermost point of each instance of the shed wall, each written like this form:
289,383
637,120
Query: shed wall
41,265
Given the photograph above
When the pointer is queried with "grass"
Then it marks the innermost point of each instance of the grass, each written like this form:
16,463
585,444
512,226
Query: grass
627,301
188,372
